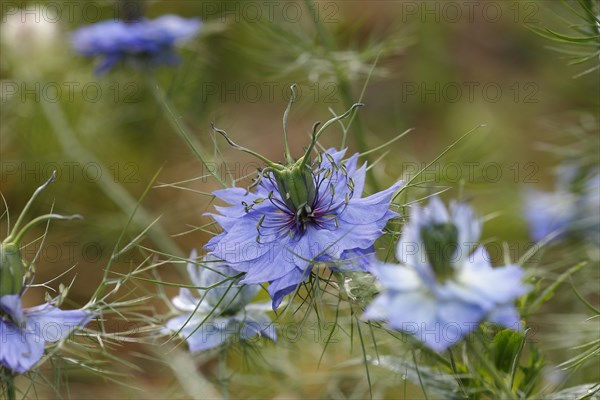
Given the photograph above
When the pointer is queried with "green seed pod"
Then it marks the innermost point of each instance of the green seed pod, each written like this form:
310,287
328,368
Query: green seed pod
297,186
440,242
11,269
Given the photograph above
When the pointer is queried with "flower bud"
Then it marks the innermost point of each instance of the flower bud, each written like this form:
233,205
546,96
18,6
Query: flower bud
11,269
440,241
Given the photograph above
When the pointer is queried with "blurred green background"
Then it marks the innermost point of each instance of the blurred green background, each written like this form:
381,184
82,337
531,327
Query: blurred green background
442,68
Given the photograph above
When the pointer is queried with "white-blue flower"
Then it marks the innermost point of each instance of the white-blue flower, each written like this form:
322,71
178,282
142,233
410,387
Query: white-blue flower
445,285
222,312
572,208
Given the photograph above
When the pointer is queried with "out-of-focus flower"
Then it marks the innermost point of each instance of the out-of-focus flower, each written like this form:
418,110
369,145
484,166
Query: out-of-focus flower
25,332
145,42
443,290
572,209
549,213
588,210
222,312
32,40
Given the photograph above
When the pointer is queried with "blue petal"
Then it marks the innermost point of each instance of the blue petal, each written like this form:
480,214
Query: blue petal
396,277
54,323
279,288
20,350
506,316
346,237
210,335
11,304
498,285
272,265
436,212
458,318
235,195
468,226
369,209
379,308
358,260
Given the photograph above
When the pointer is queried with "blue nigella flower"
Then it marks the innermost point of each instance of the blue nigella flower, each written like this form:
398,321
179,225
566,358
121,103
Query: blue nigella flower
25,332
443,290
300,214
273,240
146,41
572,208
222,312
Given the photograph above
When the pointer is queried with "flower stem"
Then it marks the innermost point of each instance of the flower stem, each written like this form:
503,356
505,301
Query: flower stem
223,380
9,383
182,130
493,371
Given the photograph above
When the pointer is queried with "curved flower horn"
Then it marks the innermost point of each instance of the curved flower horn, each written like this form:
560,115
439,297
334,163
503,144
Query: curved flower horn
11,262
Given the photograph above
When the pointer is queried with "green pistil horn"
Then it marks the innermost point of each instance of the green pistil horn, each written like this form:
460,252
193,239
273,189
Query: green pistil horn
294,179
12,265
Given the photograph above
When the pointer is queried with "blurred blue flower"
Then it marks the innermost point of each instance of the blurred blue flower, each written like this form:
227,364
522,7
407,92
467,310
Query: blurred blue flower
222,312
588,209
25,332
277,238
443,290
147,41
573,208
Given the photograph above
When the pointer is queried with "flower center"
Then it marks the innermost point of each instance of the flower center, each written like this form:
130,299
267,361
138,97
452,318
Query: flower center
440,242
296,187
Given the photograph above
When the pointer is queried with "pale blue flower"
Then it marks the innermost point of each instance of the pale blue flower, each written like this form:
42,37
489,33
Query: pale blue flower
277,238
24,333
573,208
222,312
587,219
445,285
147,41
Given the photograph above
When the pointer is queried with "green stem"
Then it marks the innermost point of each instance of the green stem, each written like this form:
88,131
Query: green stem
183,131
10,385
500,381
223,380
